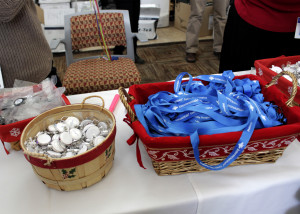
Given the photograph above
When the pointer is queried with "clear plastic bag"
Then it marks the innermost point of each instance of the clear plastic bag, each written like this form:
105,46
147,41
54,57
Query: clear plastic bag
24,102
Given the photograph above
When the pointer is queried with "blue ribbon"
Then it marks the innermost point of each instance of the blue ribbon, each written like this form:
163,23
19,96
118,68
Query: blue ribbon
223,105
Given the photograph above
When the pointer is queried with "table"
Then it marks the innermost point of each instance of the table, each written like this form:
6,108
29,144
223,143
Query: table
265,188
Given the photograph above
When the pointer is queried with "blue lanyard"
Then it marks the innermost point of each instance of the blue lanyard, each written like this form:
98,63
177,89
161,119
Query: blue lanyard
223,105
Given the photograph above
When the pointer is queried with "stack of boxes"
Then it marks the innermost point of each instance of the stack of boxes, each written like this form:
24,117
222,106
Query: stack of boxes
148,20
54,11
164,6
182,14
154,14
53,17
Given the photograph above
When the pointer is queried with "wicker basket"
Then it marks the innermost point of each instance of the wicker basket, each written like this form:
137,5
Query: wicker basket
263,70
80,171
174,155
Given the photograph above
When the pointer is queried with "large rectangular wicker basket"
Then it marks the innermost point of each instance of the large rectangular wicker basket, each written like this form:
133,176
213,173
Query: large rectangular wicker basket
174,155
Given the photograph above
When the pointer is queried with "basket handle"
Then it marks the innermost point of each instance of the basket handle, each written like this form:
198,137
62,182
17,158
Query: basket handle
38,155
126,99
290,102
83,102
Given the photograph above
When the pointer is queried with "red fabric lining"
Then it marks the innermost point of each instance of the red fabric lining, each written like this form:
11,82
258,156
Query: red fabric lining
268,74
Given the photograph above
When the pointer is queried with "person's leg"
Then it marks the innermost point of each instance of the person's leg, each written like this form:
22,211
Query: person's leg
220,18
133,7
135,13
239,44
121,5
193,29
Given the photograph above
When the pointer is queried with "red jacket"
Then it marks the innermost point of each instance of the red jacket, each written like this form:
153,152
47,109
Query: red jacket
271,15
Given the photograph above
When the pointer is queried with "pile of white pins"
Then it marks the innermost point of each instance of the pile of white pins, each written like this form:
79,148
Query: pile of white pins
293,68
69,137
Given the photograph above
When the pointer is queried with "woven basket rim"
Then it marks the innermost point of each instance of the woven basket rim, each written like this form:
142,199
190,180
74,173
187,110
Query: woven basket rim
82,106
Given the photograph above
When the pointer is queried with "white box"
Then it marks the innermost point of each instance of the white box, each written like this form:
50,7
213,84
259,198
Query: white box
164,6
149,11
83,6
46,6
53,1
55,17
51,34
148,28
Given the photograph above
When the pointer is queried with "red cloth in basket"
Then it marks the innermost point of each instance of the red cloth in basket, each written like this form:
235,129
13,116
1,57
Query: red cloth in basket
12,132
217,145
263,70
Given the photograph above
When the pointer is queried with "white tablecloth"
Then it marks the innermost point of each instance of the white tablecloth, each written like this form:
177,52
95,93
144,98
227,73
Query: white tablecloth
265,188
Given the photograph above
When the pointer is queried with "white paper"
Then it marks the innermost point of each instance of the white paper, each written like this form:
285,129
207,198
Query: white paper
297,32
55,17
1,79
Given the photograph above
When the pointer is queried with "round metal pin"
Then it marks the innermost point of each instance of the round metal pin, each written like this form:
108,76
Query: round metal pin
43,139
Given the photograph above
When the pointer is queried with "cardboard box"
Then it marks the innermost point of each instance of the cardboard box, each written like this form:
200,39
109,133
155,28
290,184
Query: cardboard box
182,14
40,14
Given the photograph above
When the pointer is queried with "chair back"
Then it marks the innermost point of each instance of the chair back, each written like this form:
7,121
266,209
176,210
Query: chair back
81,31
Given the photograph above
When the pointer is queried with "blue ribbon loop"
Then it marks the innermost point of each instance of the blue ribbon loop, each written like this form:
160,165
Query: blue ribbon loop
223,105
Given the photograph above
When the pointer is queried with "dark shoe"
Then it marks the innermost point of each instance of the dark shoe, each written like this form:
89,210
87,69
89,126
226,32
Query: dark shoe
217,54
138,60
54,73
118,50
190,57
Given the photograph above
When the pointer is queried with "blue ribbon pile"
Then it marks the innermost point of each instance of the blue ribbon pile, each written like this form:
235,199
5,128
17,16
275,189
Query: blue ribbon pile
223,105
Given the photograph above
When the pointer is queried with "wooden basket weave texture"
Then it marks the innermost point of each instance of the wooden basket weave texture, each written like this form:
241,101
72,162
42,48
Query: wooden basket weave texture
80,171
172,161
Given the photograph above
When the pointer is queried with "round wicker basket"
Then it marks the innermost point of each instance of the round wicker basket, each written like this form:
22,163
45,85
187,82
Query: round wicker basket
82,170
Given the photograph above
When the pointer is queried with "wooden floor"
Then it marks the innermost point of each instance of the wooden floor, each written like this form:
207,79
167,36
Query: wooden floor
166,61
164,56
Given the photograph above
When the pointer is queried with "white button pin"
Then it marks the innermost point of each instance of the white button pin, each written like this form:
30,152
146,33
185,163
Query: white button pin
54,154
92,132
57,146
72,122
43,139
65,138
98,140
75,133
61,127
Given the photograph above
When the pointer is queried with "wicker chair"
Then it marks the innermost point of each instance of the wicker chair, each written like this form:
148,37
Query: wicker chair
93,73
